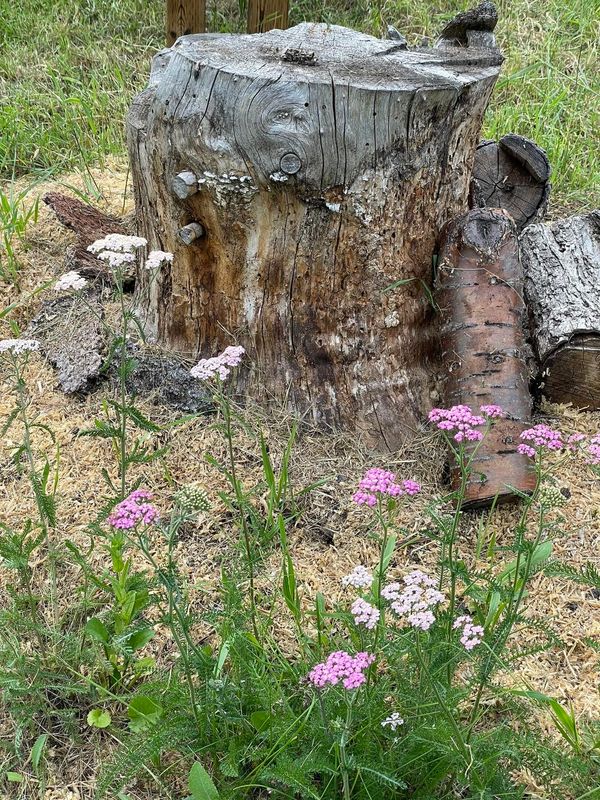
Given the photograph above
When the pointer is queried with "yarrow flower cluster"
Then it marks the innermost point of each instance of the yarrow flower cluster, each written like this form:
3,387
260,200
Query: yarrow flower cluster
192,498
472,635
133,510
116,248
593,450
360,578
393,721
462,420
70,280
220,365
341,666
378,481
158,257
18,346
416,600
364,613
540,437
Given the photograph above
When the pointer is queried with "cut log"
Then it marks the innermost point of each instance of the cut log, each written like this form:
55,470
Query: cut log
326,163
513,174
561,262
480,299
89,224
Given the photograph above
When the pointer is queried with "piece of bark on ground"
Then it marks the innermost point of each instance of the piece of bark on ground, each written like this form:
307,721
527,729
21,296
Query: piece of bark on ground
71,336
561,262
513,174
88,224
480,299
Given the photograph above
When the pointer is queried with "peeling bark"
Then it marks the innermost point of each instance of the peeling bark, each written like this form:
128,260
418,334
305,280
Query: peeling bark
326,162
562,275
480,296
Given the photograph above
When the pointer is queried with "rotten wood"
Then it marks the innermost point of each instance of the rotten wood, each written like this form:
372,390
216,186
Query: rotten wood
480,297
183,18
323,176
561,262
263,15
513,174
70,331
89,224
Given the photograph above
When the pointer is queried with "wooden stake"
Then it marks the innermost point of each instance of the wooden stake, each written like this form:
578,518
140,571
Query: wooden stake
263,15
185,17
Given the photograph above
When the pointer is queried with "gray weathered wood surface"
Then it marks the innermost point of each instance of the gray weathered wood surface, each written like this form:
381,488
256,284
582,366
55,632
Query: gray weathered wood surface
326,161
562,279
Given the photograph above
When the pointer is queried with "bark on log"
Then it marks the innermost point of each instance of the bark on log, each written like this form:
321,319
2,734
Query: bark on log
326,161
89,224
562,279
480,297
513,174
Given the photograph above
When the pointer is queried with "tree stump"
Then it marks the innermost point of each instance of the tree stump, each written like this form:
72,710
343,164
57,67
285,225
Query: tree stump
481,307
562,274
295,175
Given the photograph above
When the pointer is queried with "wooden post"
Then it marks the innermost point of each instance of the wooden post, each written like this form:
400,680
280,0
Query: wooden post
184,17
263,15
320,164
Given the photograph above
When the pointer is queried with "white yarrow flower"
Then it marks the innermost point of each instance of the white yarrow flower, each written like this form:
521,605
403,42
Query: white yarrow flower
360,578
117,243
70,280
158,257
393,721
116,259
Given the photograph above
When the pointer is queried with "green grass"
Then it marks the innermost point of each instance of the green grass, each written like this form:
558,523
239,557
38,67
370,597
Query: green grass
69,68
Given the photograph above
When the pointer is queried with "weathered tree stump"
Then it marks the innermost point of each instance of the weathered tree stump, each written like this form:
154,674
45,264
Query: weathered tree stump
480,298
513,174
325,163
562,279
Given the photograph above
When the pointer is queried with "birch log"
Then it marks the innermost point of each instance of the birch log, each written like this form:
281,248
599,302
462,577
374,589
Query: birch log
480,299
562,279
326,162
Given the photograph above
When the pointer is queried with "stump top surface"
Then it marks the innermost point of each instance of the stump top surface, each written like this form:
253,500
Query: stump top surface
322,53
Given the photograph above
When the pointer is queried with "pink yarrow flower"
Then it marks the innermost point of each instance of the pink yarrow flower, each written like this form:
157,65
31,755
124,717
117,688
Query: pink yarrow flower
416,601
377,481
472,635
463,421
539,438
364,613
220,365
593,450
133,510
341,667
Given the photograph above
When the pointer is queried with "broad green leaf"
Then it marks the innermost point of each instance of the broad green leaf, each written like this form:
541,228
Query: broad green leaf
98,718
96,629
15,777
143,711
201,785
37,750
541,553
140,638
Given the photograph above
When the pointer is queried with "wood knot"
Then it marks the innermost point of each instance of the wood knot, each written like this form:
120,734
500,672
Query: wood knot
296,55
